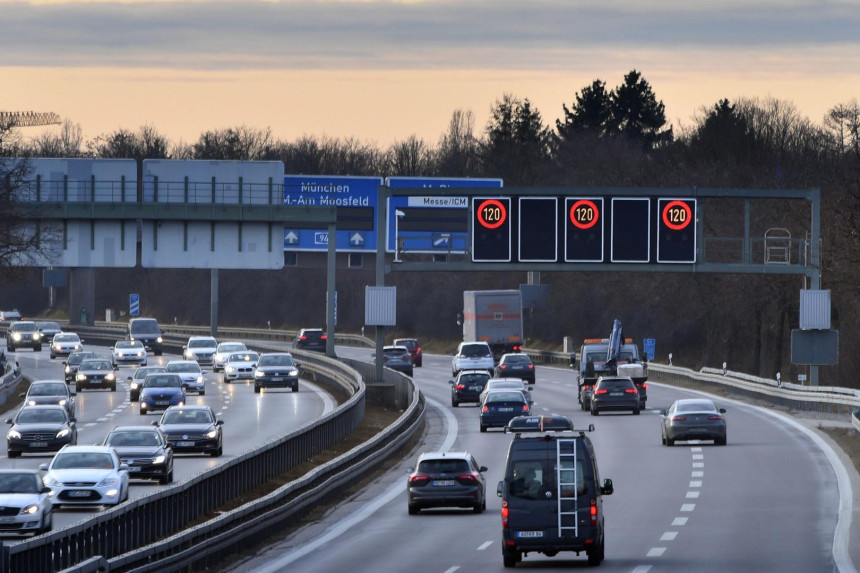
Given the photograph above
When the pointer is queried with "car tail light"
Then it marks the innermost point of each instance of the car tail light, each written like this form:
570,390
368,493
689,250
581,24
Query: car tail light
631,391
525,407
503,366
418,351
461,387
485,409
518,347
593,511
418,479
468,478
505,513
601,391
679,419
531,366
644,385
303,338
324,337
715,418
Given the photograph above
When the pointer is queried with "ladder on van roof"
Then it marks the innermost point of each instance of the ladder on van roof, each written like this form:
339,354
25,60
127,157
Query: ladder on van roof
565,479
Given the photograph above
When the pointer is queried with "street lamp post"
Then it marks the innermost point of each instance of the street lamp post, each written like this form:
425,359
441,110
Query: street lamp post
398,214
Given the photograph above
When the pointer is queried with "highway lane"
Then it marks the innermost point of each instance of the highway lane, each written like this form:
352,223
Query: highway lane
767,500
249,419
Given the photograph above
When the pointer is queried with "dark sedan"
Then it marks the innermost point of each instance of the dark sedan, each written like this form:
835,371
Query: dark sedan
192,429
276,370
38,429
144,449
516,365
614,394
310,339
467,386
73,362
693,419
96,373
446,479
500,406
50,392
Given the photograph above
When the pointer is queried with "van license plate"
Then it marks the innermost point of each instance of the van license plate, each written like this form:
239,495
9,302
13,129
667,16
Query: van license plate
529,533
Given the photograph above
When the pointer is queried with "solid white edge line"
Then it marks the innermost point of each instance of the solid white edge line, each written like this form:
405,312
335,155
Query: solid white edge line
841,540
397,488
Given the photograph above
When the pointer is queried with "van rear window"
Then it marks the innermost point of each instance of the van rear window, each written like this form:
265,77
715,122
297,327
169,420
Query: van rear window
533,479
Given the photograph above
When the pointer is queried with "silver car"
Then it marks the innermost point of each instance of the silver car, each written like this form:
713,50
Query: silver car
191,374
200,348
693,419
128,352
241,366
223,351
64,343
26,502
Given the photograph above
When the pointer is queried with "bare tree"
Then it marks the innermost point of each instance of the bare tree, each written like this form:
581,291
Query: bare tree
67,143
843,120
458,154
410,157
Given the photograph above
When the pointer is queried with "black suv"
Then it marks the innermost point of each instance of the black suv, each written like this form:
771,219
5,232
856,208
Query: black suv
310,339
446,479
616,393
147,331
467,386
552,497
23,333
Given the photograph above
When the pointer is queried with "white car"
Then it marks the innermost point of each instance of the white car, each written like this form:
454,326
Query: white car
191,374
128,352
241,366
64,343
26,502
223,351
86,475
473,356
200,348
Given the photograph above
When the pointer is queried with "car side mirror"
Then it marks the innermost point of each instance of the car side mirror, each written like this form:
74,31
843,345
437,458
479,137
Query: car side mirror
219,423
373,354
129,378
661,412
73,420
45,489
65,363
9,421
607,488
482,469
155,423
500,487
184,348
43,467
451,382
722,410
531,402
123,467
207,372
22,394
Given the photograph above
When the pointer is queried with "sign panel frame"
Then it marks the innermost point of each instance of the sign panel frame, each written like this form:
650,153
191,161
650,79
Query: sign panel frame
586,207
535,237
502,218
675,215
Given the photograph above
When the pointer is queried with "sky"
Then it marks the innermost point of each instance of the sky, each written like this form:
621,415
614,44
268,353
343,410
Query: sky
382,71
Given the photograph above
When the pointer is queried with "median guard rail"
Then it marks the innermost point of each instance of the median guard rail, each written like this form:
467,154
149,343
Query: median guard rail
164,521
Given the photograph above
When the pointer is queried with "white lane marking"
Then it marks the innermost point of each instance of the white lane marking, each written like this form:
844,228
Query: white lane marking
698,456
669,536
695,484
679,521
88,424
105,419
698,474
452,569
697,449
394,490
687,507
642,569
656,551
698,464
484,545
692,494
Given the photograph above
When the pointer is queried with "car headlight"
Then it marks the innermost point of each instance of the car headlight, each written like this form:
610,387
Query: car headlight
16,336
158,340
141,353
62,402
200,379
113,480
78,347
13,435
158,460
68,369
31,403
51,481
63,433
110,376
258,374
230,368
294,372
134,385
56,346
36,336
30,510
80,376
211,433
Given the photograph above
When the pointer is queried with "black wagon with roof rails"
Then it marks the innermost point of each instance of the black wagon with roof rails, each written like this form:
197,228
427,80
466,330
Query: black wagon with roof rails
552,496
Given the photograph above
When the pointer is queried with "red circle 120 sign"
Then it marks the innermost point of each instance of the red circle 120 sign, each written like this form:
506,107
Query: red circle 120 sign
677,215
584,214
492,214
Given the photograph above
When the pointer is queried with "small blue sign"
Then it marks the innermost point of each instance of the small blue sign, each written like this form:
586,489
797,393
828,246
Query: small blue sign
649,345
433,241
326,191
134,305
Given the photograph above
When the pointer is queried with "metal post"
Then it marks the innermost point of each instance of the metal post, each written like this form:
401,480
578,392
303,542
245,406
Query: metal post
213,302
381,201
330,286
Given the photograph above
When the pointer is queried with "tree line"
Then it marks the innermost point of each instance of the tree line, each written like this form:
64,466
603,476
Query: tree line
605,137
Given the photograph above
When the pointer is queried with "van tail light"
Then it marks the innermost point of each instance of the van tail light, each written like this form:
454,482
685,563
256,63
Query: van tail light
593,511
504,513
679,419
601,391
715,418
644,385
468,478
303,337
518,347
631,391
324,337
419,350
418,479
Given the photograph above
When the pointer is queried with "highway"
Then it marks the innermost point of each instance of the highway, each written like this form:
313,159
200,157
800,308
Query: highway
249,419
766,501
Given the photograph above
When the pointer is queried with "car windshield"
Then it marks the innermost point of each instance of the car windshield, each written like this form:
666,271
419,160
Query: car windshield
96,365
202,343
188,417
396,352
183,367
78,357
407,343
131,439
145,327
156,381
24,327
129,344
66,337
141,373
276,360
48,325
18,483
507,384
475,351
83,460
243,357
53,389
41,416
231,347
698,406
505,397
443,466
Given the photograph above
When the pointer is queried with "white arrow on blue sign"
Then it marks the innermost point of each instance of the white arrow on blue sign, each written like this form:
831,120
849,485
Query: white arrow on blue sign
134,304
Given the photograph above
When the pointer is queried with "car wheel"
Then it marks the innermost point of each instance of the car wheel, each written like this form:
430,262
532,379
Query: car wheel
12,454
113,388
165,479
142,412
37,348
479,508
217,453
454,403
720,442
202,393
595,556
48,524
635,411
483,428
669,442
510,557
295,388
157,352
413,510
53,356
256,389
662,438
595,411
225,380
77,388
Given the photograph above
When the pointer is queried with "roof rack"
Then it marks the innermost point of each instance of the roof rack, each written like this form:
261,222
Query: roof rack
522,424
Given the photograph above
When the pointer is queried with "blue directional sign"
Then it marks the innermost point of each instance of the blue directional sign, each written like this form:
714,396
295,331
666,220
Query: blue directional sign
134,305
431,224
649,345
349,194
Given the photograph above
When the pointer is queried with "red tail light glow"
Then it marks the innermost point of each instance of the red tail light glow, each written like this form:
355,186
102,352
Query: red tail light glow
631,391
324,337
715,418
485,409
679,419
470,477
601,391
525,407
593,511
531,366
644,385
503,366
461,386
504,513
418,479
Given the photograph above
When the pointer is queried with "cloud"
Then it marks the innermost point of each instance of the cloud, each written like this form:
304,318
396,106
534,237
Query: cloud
433,34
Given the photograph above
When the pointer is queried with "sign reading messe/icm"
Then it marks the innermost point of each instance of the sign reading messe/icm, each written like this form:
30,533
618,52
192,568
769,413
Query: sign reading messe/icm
431,224
355,198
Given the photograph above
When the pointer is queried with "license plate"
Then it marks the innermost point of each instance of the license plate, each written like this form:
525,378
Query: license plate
529,533
162,403
133,469
443,482
38,444
79,493
277,379
474,388
505,409
7,520
95,381
184,444
616,393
